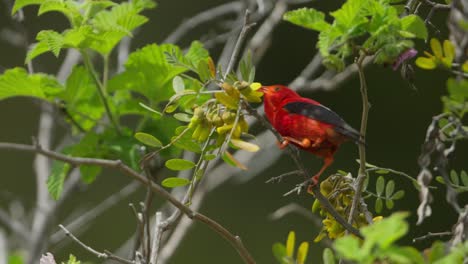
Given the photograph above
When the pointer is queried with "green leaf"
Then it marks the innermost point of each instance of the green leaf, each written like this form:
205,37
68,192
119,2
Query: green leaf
385,231
15,258
302,252
173,182
279,251
348,247
328,256
148,139
247,146
379,186
209,157
308,18
57,177
378,205
398,195
229,159
454,177
389,204
17,82
71,9
110,26
436,252
440,179
182,117
382,171
389,188
148,73
290,243
81,98
464,178
351,14
52,39
196,53
415,25
22,3
179,164
426,63
89,173
178,84
158,114
72,260
204,71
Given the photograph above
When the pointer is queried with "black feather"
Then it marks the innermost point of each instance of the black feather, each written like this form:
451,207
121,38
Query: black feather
325,115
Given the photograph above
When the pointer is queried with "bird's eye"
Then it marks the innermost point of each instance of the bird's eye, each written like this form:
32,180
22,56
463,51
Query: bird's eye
277,88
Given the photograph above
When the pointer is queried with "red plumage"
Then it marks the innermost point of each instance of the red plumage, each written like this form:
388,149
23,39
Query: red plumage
307,124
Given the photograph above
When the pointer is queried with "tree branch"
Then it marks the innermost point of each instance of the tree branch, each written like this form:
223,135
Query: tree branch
105,255
246,26
362,174
203,17
158,190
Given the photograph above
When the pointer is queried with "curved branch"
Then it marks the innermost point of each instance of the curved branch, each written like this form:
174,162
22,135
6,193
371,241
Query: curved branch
158,190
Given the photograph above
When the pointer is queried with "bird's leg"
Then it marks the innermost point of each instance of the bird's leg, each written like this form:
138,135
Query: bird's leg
305,143
315,179
317,142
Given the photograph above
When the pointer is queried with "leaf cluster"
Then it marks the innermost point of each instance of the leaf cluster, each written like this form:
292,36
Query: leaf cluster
372,26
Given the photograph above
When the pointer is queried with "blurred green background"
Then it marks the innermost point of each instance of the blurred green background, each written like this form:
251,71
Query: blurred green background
398,120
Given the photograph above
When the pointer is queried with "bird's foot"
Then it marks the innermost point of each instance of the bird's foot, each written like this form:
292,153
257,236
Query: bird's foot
314,182
304,143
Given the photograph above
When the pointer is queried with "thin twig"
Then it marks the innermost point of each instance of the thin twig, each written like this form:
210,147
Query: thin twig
157,235
280,177
431,235
158,190
90,214
101,90
93,251
203,17
362,174
15,226
243,34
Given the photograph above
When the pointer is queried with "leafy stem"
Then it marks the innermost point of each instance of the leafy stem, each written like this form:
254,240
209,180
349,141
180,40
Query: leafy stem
101,86
362,174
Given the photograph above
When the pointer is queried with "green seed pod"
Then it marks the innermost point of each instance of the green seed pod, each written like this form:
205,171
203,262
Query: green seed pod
243,125
197,131
315,206
204,133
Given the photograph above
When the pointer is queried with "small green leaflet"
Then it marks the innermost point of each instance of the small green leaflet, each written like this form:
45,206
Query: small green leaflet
57,178
179,164
308,18
178,84
158,114
148,139
174,182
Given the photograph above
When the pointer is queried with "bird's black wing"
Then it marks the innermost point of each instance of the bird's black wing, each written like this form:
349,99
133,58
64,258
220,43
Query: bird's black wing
325,115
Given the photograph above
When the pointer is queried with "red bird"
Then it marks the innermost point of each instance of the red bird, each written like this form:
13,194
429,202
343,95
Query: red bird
307,124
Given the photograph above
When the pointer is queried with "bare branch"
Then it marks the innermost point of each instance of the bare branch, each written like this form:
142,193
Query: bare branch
246,26
203,17
157,235
17,227
326,83
432,235
362,174
3,247
90,214
257,43
119,165
93,251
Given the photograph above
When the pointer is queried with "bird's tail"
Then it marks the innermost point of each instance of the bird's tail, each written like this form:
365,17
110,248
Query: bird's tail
352,134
